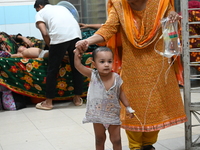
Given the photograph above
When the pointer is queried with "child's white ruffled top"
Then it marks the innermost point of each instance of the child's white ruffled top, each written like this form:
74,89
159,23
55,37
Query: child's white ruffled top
103,106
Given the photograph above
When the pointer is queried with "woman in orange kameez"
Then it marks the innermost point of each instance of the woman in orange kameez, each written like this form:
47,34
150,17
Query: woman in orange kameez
157,101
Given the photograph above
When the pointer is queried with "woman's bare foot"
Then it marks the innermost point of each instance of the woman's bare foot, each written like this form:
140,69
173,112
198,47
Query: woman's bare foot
77,100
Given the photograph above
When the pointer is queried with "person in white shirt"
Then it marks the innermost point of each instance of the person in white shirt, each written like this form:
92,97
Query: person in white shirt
60,32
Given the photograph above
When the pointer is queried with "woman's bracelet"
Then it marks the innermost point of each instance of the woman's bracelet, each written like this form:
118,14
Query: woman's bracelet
130,110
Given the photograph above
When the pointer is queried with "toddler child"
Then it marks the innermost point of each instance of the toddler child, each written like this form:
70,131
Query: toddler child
104,96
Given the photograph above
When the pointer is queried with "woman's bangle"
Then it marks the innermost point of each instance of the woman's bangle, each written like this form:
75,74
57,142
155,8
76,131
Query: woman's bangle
130,110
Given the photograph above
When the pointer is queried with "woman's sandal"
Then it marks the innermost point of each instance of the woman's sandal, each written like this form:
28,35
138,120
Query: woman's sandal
79,103
40,106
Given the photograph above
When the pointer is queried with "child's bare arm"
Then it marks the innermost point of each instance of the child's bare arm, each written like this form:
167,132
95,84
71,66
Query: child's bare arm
123,98
79,66
125,102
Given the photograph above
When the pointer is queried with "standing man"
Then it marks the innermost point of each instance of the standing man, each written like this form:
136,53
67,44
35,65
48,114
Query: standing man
60,32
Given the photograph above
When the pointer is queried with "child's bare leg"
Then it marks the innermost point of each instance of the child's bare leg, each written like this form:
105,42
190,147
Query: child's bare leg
32,52
100,135
115,136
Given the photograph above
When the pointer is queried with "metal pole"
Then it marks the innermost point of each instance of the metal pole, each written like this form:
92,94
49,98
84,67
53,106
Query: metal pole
186,66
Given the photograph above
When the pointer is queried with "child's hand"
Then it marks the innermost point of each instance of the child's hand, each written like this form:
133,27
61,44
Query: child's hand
77,53
132,115
82,45
130,111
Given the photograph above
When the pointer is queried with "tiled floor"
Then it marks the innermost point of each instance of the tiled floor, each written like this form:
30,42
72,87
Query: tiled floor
62,129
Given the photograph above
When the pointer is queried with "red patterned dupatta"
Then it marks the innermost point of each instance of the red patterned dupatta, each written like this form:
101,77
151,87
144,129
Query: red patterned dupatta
139,39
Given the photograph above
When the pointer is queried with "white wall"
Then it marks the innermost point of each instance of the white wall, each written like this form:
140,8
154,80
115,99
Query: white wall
18,16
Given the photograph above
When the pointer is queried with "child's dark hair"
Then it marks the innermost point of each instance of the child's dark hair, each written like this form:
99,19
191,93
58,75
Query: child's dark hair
40,2
100,49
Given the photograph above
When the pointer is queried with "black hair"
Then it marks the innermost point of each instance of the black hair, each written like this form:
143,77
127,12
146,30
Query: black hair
100,49
40,2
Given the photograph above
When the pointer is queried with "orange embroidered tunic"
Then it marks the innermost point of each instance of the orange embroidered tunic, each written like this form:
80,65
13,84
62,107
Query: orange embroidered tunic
150,83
